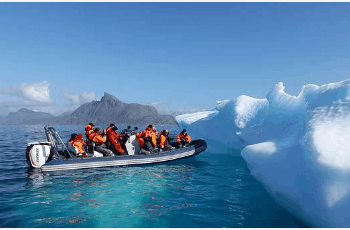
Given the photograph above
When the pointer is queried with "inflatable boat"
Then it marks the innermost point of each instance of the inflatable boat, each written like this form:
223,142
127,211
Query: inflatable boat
55,155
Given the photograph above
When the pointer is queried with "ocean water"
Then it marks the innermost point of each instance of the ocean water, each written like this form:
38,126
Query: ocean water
209,190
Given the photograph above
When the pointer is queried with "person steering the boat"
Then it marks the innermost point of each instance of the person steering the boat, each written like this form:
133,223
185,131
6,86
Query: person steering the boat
164,141
183,139
100,142
78,142
149,140
115,139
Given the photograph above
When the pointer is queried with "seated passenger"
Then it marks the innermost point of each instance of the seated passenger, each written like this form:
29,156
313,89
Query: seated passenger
139,136
115,139
89,128
78,142
149,140
109,128
106,134
100,143
183,139
164,141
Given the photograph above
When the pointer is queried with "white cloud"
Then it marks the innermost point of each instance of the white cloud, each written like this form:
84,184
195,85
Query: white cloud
37,97
34,96
77,99
37,92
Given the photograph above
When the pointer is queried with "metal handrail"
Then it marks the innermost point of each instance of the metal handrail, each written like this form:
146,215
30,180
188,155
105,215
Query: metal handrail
54,138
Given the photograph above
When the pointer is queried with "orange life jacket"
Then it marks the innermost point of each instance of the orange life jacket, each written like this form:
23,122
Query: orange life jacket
139,137
162,140
97,137
182,137
108,130
150,134
88,129
79,143
147,134
114,139
140,134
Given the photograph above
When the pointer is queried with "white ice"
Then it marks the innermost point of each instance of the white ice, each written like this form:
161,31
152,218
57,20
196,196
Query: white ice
298,147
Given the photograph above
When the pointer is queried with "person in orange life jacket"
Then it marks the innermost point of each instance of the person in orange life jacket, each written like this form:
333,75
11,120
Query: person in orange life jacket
164,141
183,139
107,131
150,142
100,145
77,141
140,135
109,128
89,128
115,138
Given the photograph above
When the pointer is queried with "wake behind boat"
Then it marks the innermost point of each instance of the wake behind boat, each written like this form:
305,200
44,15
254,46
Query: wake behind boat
54,155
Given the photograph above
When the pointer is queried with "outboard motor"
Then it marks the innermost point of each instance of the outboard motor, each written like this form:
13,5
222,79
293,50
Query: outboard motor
38,153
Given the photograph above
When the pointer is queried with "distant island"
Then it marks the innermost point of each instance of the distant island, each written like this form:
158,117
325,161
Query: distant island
108,110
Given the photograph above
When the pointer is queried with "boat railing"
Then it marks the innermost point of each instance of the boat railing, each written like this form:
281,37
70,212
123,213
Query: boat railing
56,141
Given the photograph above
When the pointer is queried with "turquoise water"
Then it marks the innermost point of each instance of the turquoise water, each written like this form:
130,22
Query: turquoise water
209,190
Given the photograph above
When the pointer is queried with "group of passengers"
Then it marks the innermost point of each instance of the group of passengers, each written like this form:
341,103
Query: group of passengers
111,142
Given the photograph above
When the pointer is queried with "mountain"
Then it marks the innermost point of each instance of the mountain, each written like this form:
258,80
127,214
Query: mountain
65,113
111,110
27,117
108,110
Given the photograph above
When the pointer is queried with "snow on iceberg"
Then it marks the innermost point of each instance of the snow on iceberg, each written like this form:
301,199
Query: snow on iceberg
220,125
298,147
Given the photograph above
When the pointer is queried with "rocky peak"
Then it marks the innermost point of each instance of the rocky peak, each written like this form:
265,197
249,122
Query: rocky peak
110,99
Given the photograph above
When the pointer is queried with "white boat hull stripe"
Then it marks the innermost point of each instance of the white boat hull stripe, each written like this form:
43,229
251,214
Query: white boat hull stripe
119,162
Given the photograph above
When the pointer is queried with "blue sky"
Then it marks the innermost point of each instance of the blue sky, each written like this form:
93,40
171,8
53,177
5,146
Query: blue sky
182,55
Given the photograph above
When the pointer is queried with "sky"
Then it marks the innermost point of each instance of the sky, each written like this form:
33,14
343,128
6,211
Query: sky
176,56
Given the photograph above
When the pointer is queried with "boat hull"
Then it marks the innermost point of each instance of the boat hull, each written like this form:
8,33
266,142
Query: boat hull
83,163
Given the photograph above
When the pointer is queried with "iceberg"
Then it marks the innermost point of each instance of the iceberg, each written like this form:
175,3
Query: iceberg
219,126
298,147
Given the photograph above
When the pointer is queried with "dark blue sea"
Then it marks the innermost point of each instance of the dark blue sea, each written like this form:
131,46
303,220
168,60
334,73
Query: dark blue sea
210,190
